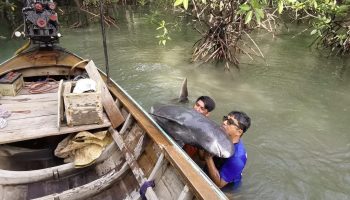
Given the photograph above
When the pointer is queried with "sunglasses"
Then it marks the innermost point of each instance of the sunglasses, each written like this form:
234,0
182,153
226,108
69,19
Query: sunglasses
230,121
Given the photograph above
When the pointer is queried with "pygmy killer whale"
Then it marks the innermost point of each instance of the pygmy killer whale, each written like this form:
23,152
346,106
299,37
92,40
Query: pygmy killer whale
187,126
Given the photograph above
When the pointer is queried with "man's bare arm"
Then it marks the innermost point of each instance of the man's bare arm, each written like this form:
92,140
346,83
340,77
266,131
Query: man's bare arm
213,172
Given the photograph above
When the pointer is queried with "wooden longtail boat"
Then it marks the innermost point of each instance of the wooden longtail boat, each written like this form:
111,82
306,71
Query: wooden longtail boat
140,151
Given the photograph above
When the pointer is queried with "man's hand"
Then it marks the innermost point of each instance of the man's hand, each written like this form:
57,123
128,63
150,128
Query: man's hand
203,154
207,156
214,173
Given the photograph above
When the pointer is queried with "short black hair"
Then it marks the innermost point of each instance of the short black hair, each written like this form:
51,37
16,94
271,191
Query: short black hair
242,118
209,103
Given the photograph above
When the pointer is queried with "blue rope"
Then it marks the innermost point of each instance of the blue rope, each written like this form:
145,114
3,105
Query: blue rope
144,187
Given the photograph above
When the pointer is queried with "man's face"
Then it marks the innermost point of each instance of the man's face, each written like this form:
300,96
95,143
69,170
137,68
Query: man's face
199,107
230,126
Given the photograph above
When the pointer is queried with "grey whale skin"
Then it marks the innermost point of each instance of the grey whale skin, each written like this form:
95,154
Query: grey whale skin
187,126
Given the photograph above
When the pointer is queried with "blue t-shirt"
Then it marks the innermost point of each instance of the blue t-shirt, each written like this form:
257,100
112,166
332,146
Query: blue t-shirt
232,168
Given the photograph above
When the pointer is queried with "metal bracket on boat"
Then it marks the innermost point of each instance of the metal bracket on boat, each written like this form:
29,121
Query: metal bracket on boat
55,174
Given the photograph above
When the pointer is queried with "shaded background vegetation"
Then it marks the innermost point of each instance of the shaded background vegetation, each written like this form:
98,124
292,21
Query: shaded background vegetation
225,26
298,145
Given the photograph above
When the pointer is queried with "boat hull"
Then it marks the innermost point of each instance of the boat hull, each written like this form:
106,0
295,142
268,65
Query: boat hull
141,151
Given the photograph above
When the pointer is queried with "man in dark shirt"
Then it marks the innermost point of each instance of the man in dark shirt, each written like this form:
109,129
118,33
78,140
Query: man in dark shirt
203,105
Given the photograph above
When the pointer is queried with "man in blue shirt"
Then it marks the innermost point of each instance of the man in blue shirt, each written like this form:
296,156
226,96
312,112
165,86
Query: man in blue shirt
226,171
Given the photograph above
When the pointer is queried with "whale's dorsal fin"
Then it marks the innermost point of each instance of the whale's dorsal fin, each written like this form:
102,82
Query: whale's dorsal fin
183,96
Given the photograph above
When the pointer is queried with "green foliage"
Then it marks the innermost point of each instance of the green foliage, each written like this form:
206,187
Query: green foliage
164,35
9,10
142,2
95,3
159,16
329,22
328,19
6,6
181,2
87,3
248,17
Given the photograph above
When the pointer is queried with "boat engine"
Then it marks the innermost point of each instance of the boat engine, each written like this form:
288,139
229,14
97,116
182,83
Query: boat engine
41,22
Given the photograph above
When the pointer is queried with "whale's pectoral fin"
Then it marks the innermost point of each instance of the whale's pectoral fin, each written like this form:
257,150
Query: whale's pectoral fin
167,118
179,142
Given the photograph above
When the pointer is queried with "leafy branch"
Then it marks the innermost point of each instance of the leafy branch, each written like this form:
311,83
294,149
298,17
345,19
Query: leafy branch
164,36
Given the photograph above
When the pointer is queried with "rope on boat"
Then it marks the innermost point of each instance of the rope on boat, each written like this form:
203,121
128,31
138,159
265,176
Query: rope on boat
42,86
104,39
23,48
75,65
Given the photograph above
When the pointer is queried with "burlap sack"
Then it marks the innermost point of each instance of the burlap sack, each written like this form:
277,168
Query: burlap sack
83,148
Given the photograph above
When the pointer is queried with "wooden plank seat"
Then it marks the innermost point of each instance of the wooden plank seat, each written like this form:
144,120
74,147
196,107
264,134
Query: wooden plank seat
35,116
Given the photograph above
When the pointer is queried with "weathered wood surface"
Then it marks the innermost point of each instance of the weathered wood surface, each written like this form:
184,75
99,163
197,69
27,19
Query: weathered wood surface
8,177
40,59
60,105
129,120
11,89
186,194
51,71
112,110
130,159
35,116
18,192
90,189
51,86
84,108
204,189
30,98
161,161
22,177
